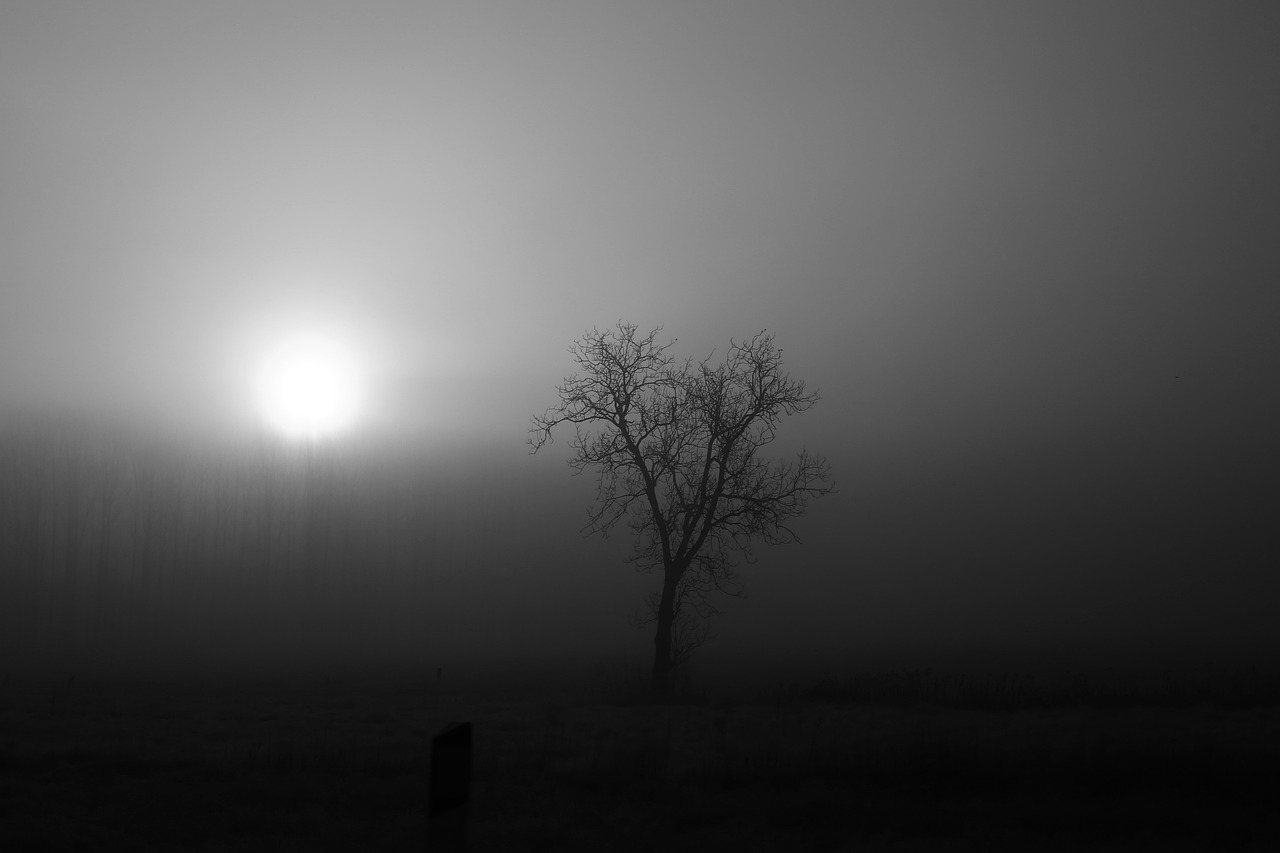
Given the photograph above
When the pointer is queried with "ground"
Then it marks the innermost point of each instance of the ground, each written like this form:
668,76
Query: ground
342,764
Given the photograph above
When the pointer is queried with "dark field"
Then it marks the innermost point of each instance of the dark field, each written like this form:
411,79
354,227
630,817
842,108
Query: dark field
901,761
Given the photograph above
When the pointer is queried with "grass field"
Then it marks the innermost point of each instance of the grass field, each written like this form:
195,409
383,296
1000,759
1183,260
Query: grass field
894,761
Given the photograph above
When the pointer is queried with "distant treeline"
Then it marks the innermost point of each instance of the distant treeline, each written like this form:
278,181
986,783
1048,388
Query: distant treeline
123,546
1193,685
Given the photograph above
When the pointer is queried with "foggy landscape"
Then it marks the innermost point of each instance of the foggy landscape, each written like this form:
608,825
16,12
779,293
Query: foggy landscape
288,291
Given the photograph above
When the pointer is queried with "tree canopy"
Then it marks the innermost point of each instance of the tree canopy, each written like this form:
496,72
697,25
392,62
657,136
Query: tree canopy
676,448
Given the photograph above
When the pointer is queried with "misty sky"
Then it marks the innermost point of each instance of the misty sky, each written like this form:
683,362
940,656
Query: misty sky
1028,253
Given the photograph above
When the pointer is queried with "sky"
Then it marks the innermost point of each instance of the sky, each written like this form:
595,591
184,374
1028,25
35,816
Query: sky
1026,252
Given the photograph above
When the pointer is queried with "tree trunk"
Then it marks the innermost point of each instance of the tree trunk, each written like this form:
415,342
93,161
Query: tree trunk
663,659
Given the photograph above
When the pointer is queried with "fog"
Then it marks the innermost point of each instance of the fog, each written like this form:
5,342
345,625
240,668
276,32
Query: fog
127,551
136,552
1025,253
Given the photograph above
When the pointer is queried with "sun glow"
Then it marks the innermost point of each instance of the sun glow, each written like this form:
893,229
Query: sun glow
309,388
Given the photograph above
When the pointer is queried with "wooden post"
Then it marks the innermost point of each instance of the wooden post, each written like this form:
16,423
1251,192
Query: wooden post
450,788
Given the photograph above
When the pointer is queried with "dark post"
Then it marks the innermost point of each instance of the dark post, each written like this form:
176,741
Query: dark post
450,788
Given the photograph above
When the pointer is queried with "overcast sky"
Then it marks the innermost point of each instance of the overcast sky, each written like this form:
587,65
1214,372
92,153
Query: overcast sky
1029,254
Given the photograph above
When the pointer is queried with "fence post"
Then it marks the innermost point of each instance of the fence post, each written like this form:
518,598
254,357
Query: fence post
450,788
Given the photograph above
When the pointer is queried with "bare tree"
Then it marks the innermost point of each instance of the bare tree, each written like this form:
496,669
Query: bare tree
677,453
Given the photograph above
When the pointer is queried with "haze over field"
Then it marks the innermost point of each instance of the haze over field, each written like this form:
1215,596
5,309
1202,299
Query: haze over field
1025,252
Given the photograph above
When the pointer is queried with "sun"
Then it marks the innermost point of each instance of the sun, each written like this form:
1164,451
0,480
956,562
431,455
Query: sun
309,387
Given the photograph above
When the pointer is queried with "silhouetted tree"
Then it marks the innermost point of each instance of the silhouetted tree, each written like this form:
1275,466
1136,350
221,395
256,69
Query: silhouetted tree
677,451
